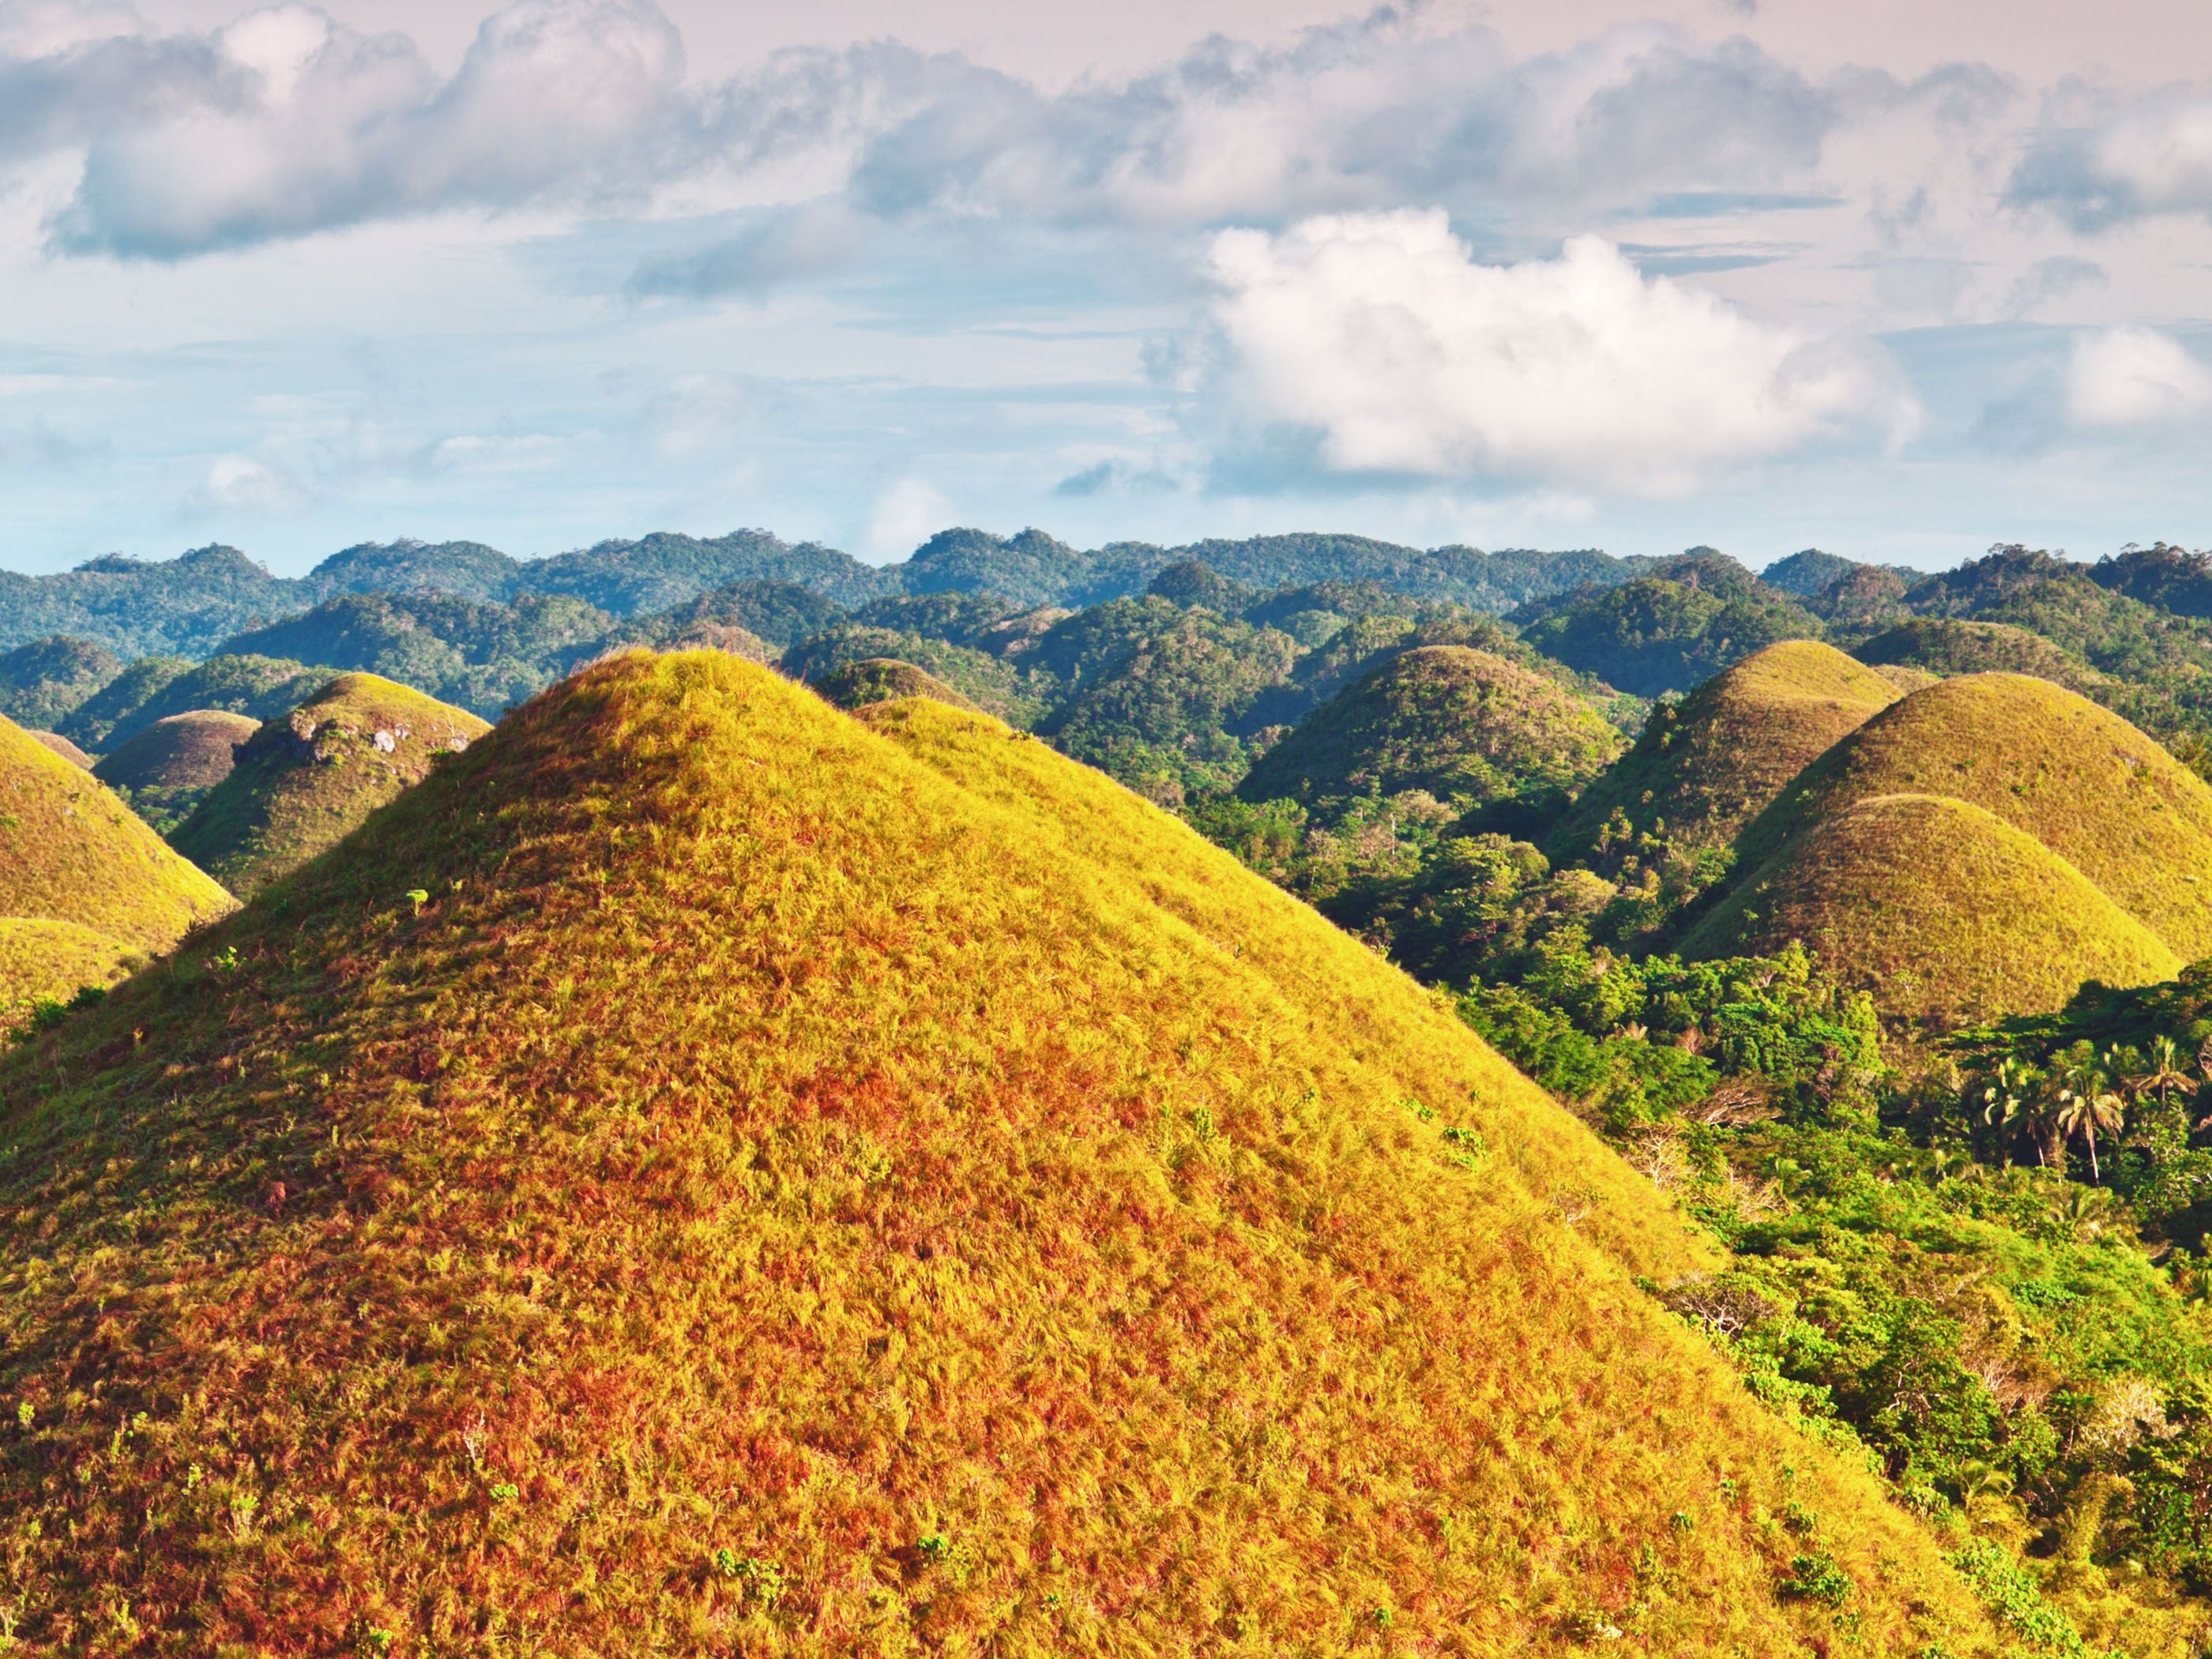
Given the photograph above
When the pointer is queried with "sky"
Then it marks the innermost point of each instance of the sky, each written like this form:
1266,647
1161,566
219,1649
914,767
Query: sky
1898,280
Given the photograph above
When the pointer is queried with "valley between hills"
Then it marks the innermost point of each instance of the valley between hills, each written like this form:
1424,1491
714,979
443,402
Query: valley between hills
1287,1097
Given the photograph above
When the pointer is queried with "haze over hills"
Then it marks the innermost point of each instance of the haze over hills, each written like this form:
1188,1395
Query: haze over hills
818,1198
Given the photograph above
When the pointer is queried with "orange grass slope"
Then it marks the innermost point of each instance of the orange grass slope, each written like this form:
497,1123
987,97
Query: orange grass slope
769,1198
2076,777
70,851
1944,911
1711,763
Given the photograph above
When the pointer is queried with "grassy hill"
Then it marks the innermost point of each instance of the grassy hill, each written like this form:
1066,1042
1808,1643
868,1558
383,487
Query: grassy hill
885,679
157,687
2075,777
167,768
1941,910
47,961
62,746
305,781
71,853
1464,725
789,1191
1704,767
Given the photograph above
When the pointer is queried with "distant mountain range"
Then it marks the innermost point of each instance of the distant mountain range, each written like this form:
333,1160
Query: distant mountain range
191,604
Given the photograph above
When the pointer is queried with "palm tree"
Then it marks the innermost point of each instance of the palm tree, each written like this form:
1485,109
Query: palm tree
2164,1074
2087,1103
2011,1098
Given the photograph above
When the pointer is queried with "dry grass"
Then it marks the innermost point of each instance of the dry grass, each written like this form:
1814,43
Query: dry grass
42,960
2075,777
770,1197
306,781
1730,747
183,751
62,746
70,851
885,679
1944,911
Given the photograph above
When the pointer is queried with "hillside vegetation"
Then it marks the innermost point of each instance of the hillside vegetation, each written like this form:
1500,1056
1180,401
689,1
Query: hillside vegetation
885,679
2075,777
43,681
306,781
1464,727
166,768
1941,909
825,1209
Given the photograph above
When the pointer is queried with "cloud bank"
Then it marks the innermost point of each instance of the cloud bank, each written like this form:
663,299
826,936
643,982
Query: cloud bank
1381,335
2135,376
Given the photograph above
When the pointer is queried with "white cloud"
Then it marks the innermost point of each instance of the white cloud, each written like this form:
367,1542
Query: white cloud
2120,162
2124,377
241,484
907,514
1380,334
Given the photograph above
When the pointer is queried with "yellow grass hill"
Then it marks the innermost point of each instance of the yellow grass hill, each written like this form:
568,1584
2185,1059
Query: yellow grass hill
1706,766
1461,724
885,679
1941,909
706,1174
70,852
306,781
2074,776
47,961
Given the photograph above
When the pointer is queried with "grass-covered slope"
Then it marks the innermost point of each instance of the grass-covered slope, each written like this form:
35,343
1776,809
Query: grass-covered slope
1942,910
46,960
62,746
306,781
885,679
70,851
1461,725
1706,766
772,1197
2075,777
1946,645
178,751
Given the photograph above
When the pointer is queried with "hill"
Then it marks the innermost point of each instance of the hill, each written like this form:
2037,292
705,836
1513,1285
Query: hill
166,769
1946,645
821,1208
885,679
304,783
62,746
1670,630
2171,578
1469,728
1944,912
158,687
45,680
45,961
71,853
2074,776
1704,767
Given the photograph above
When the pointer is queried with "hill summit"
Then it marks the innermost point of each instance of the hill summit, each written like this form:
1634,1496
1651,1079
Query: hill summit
307,780
704,1174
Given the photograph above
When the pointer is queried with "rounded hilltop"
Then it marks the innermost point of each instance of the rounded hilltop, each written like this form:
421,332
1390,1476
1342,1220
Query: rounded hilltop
2071,776
1946,645
1706,766
832,1184
1456,723
885,679
307,780
71,853
1939,908
190,750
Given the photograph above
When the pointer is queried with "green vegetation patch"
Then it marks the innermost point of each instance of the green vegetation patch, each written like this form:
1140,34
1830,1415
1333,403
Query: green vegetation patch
884,679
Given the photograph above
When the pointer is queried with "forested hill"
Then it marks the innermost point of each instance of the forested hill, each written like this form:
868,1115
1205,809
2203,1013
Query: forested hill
190,604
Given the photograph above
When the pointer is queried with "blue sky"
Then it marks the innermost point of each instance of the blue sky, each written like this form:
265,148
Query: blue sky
1900,281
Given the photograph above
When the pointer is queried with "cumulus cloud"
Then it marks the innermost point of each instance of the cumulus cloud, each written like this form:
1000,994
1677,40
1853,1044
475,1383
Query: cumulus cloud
2121,162
1382,337
2133,377
906,515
